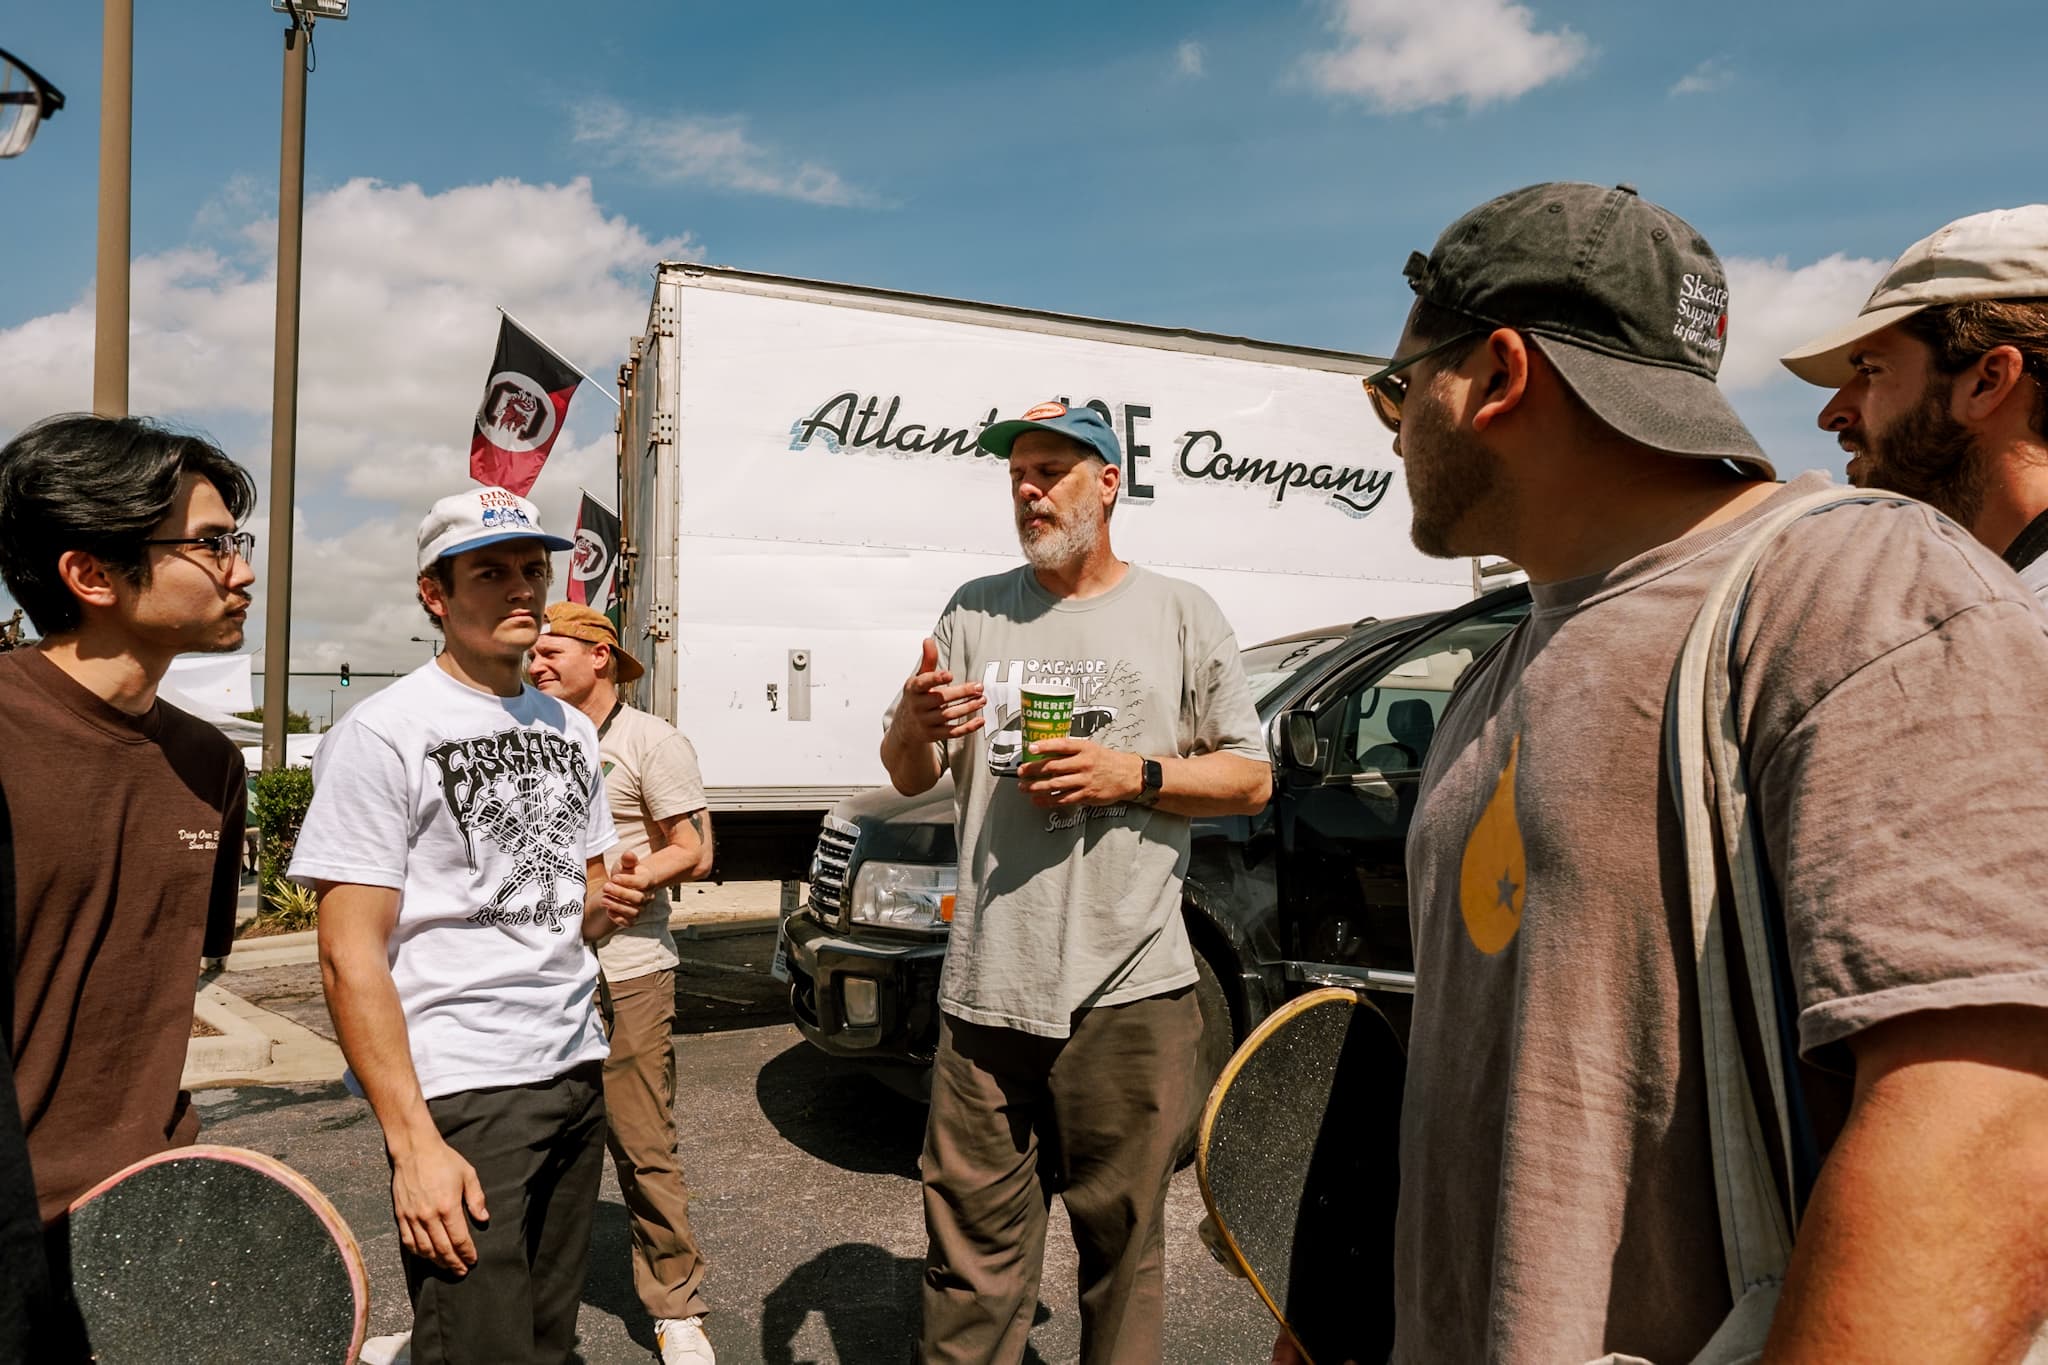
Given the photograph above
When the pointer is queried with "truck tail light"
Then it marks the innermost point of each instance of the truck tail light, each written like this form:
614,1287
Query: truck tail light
946,909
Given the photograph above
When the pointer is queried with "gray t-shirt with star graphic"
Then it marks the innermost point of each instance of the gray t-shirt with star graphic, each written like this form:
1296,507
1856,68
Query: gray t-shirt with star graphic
1065,910
1557,1191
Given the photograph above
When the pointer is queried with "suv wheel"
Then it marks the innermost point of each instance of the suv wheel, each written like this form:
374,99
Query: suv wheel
1213,1049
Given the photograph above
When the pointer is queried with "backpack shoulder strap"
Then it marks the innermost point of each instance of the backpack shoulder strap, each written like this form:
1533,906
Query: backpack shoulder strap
1703,741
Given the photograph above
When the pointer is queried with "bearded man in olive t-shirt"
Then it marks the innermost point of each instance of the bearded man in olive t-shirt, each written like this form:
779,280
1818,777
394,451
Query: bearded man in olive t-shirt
1067,1016
1554,402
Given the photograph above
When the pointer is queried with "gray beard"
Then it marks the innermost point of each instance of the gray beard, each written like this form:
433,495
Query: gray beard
1064,542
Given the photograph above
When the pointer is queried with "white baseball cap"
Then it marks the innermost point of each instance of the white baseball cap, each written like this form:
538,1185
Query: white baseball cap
480,517
2002,254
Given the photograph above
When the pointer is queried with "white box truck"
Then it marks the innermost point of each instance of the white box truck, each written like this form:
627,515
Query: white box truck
801,493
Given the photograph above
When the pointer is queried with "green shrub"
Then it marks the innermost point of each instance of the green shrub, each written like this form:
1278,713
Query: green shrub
292,908
282,796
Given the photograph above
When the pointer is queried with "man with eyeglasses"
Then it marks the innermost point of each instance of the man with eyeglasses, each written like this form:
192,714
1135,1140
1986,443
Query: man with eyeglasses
1554,402
1941,382
118,537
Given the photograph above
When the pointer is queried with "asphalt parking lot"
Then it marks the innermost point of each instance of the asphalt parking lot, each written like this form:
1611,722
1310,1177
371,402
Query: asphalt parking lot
803,1181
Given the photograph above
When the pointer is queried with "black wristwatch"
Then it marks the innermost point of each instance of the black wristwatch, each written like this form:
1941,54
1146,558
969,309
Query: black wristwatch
1153,780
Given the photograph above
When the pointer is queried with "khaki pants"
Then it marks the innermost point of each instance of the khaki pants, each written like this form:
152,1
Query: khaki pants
640,1098
1097,1118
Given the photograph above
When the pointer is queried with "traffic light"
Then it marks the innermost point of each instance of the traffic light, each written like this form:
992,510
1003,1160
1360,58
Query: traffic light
344,675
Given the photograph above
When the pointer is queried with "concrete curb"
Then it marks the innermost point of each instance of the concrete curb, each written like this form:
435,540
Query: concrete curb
242,1046
292,1054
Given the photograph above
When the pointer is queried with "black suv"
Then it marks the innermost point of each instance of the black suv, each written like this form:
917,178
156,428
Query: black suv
1311,891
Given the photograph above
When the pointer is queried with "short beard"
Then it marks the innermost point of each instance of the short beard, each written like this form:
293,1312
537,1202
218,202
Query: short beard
1929,455
1065,542
1450,474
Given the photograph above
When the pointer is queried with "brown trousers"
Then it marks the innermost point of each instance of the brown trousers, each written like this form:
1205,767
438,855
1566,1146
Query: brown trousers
639,1101
1097,1118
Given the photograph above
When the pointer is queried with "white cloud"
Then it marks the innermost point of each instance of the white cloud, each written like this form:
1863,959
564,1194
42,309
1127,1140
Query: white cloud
1774,306
1189,59
1400,55
397,327
1710,75
705,150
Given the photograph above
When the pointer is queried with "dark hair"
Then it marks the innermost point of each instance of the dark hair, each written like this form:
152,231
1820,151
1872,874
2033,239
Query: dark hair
1960,333
97,484
1429,324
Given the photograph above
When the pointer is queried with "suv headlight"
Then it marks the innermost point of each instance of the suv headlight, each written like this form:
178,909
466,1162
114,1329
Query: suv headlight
905,895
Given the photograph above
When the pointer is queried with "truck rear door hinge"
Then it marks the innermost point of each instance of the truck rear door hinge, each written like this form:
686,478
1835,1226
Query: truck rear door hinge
664,425
665,319
661,620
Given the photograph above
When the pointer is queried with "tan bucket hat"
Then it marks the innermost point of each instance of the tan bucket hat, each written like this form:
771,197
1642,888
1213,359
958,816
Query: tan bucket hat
578,622
2002,254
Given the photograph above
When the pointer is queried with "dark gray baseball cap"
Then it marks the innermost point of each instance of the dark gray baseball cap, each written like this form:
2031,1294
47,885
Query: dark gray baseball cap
1625,300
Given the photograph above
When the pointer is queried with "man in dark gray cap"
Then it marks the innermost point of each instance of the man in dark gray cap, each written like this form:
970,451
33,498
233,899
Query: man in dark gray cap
1554,401
1067,1041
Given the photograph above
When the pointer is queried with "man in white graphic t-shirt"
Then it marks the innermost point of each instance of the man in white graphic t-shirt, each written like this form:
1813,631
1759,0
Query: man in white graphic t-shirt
456,840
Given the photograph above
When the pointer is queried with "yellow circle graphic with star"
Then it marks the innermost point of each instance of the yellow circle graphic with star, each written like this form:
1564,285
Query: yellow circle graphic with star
1493,880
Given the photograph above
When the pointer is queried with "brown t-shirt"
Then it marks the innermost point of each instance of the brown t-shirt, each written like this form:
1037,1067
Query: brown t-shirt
127,845
1557,1201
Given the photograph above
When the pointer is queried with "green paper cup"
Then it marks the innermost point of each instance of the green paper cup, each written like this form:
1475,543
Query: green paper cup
1048,713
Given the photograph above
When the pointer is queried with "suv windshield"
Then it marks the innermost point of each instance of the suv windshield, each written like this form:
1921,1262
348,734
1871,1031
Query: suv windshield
1268,667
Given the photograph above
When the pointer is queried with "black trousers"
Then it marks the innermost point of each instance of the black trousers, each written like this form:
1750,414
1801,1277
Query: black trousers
538,1151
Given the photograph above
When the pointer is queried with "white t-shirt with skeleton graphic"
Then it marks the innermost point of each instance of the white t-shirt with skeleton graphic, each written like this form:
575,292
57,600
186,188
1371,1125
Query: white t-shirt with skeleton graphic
480,811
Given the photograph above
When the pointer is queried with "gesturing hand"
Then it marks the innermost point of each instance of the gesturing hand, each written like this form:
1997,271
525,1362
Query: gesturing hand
430,1190
934,707
1079,772
626,889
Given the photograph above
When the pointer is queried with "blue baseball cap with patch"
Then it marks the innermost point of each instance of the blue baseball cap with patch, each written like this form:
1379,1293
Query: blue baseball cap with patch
1085,425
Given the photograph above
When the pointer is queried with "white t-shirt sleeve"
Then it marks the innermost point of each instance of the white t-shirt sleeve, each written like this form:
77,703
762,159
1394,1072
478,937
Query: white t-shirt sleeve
599,833
359,826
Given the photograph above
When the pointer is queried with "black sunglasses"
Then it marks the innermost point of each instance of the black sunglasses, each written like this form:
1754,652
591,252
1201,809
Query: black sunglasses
225,546
1388,389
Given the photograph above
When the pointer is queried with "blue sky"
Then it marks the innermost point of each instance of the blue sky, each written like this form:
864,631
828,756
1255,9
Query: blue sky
1258,169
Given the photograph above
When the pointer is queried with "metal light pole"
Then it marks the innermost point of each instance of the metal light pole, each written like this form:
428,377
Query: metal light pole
110,277
284,401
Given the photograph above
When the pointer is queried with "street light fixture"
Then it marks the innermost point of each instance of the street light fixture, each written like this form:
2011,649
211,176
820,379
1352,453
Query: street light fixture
26,99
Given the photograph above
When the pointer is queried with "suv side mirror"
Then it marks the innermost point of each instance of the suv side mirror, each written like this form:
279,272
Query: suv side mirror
1299,744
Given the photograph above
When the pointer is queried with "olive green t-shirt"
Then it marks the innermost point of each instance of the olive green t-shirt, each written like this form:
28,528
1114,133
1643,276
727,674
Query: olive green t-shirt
1557,1201
1064,910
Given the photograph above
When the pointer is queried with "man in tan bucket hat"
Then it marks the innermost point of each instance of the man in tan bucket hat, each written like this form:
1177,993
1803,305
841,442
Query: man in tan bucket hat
1942,381
657,799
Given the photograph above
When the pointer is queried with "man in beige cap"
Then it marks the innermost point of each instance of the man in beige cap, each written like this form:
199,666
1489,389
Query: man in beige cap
657,802
1942,381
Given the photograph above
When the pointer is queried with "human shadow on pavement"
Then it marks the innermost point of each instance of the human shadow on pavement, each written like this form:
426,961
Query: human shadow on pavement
608,1286
834,1112
868,1301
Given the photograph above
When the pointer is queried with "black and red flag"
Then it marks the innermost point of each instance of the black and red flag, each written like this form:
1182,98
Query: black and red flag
594,567
525,405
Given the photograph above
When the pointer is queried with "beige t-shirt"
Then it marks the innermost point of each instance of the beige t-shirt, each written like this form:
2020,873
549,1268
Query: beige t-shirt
1557,1201
650,774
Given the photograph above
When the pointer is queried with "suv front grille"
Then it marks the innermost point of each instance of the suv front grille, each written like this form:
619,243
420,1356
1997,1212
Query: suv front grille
829,864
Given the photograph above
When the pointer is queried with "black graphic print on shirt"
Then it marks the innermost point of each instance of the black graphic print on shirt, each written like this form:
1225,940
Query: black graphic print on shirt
525,796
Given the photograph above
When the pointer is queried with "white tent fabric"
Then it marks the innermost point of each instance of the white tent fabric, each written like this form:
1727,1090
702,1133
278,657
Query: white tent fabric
210,686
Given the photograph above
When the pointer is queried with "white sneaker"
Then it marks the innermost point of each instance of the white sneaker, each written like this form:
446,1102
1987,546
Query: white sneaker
681,1341
387,1350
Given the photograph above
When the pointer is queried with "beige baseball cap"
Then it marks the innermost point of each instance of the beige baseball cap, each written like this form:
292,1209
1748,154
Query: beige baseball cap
2002,254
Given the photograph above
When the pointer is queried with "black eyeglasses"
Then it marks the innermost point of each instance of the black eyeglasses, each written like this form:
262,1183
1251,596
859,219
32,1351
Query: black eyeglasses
225,546
1387,390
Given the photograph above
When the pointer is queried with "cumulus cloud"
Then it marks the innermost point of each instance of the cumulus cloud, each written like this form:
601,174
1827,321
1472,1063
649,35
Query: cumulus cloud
1399,56
713,151
398,321
1774,306
1710,75
1189,59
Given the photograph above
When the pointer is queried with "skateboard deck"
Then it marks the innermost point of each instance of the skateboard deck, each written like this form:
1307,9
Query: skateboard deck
216,1254
1298,1157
